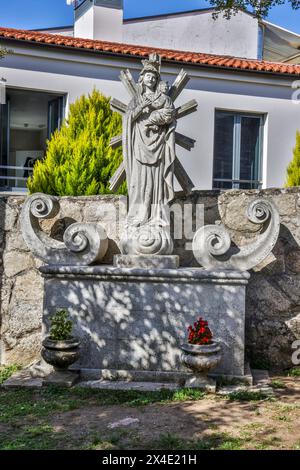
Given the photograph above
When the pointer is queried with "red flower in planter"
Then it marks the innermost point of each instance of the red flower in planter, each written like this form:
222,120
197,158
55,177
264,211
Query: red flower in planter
200,333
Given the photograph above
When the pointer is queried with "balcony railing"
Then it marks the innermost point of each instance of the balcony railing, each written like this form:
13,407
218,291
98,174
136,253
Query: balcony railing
10,176
223,183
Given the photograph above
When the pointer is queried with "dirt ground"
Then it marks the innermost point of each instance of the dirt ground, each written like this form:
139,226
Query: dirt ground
213,422
270,424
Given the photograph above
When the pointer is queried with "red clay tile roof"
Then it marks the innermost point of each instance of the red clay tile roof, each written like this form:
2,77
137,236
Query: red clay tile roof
194,58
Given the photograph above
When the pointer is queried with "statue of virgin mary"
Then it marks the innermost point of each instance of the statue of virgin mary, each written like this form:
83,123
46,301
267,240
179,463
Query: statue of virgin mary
149,148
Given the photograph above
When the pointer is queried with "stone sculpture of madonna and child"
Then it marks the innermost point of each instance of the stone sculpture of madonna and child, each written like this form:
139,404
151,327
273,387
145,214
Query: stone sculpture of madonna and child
149,154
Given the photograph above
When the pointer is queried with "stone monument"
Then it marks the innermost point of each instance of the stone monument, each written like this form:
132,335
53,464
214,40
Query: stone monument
132,317
150,162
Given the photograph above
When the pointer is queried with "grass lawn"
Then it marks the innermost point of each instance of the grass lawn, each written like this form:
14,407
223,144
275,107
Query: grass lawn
54,418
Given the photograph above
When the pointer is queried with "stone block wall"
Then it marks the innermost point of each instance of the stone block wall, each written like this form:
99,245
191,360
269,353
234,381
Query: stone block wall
21,290
21,285
273,294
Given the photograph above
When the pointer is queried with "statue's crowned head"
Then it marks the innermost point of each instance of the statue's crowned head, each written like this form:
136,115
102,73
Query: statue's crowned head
151,65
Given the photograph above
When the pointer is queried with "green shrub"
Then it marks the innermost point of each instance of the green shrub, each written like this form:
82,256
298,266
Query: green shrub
7,371
293,170
3,52
61,326
277,384
248,395
79,160
295,372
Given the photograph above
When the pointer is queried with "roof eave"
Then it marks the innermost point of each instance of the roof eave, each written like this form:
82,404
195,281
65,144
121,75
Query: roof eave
166,60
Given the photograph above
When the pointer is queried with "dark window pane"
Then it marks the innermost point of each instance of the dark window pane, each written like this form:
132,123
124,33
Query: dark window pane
222,185
55,115
252,185
223,151
249,160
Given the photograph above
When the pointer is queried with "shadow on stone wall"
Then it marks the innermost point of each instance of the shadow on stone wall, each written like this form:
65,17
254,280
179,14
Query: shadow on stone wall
273,294
273,306
21,290
203,202
2,244
137,322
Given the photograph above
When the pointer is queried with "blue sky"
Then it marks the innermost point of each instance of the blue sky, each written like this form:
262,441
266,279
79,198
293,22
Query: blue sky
45,13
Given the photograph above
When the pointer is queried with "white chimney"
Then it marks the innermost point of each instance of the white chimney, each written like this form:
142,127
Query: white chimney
99,19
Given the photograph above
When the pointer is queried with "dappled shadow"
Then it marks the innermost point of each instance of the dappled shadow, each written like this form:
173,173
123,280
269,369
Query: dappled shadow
207,423
159,420
208,200
136,319
2,245
272,302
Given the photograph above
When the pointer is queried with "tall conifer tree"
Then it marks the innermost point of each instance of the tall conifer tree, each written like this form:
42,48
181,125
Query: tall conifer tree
79,160
293,170
2,52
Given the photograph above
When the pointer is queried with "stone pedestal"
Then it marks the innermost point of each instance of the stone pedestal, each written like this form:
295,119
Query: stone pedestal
147,261
136,319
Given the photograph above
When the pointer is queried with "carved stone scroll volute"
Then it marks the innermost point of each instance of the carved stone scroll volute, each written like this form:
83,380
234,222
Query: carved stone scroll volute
212,243
83,243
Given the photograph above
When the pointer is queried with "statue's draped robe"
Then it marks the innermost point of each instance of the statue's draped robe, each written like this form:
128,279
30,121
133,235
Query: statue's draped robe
149,156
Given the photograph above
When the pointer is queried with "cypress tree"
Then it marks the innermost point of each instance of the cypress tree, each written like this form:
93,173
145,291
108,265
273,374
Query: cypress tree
4,52
79,160
293,170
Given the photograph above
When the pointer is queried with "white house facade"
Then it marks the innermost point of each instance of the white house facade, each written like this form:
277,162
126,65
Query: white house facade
244,129
196,30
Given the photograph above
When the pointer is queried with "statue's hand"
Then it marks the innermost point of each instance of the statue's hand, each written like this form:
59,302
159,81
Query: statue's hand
146,102
142,108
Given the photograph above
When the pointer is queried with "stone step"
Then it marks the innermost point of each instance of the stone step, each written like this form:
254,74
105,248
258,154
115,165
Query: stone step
23,379
125,385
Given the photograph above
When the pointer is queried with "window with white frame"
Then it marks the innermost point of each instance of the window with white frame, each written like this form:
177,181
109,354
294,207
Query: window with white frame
238,150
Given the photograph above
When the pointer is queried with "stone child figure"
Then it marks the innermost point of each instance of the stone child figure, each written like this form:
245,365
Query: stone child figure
149,148
158,102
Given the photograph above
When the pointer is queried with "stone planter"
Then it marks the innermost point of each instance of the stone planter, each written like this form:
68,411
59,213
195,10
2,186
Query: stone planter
201,359
61,354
